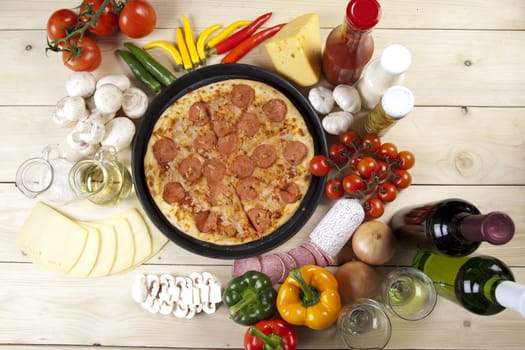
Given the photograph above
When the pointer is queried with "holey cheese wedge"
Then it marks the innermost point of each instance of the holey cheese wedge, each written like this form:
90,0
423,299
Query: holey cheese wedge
296,50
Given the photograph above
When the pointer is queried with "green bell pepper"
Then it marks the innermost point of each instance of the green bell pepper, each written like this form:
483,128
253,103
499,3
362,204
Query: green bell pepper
250,298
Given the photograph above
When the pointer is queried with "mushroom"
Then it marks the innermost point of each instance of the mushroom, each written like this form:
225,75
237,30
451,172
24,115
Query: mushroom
71,108
181,311
134,102
166,307
119,80
108,98
60,120
139,290
89,131
81,84
101,118
347,98
209,307
337,123
321,99
119,133
78,147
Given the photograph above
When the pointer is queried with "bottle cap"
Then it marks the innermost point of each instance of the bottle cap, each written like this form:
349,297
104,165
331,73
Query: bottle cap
511,295
495,227
397,101
363,14
396,59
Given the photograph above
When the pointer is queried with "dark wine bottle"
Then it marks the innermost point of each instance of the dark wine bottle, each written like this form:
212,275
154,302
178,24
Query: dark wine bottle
481,284
452,227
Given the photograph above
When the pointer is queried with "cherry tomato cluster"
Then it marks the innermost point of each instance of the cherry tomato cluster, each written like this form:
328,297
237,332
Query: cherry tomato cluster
68,31
366,169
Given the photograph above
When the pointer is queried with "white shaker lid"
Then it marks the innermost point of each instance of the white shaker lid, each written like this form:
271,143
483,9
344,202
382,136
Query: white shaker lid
396,59
397,101
512,296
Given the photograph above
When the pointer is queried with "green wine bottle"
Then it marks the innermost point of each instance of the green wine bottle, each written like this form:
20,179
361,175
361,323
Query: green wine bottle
481,284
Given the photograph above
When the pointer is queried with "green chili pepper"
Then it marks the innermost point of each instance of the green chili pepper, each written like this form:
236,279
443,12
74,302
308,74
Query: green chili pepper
139,71
153,66
250,298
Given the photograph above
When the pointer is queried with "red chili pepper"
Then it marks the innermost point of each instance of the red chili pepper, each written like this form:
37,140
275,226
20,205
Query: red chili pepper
245,46
270,335
234,39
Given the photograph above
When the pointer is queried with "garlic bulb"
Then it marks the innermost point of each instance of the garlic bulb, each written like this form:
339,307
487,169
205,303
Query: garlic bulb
321,99
337,123
347,98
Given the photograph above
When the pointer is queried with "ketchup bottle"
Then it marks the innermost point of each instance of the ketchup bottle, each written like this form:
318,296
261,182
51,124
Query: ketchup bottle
350,45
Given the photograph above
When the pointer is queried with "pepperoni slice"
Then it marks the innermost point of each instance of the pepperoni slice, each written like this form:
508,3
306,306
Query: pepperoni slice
205,142
223,127
291,193
275,109
259,218
216,189
243,166
264,156
199,113
190,168
249,123
245,188
295,152
206,221
242,95
164,151
173,193
228,144
214,169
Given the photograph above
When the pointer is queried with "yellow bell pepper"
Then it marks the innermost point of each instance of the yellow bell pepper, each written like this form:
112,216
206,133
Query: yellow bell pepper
309,297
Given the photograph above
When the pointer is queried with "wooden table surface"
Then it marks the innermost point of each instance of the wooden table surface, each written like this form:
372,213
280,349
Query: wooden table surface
467,132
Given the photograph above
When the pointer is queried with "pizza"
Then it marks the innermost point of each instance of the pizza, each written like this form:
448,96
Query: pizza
227,163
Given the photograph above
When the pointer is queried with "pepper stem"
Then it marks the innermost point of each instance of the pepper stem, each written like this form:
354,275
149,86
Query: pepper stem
247,298
309,294
270,341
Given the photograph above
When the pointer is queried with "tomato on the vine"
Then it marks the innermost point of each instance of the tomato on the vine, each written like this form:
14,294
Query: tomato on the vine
367,166
374,208
402,178
387,192
353,183
406,159
60,22
388,150
319,165
338,153
107,23
87,58
383,172
334,188
371,143
350,137
137,19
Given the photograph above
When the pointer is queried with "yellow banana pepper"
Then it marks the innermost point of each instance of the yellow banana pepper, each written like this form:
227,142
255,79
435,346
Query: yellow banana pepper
186,60
190,44
169,48
201,41
226,32
309,297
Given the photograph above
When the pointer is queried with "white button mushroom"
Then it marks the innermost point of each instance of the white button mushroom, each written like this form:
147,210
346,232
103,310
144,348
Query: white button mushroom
72,108
81,84
119,133
337,123
134,102
89,131
99,117
119,80
79,148
60,120
108,98
321,99
347,98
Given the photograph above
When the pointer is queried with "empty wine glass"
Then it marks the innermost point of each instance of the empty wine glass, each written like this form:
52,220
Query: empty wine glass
408,293
364,325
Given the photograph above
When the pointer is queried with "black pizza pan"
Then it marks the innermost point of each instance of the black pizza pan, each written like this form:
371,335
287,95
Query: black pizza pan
192,81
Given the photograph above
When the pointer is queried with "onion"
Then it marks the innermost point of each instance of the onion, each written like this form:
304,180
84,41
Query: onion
358,280
374,243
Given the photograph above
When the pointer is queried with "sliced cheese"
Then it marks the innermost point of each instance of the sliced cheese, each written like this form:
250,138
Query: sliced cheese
51,240
108,249
141,235
125,253
89,255
295,50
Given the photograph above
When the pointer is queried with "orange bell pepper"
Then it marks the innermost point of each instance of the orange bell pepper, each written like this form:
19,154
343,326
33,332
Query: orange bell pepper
309,297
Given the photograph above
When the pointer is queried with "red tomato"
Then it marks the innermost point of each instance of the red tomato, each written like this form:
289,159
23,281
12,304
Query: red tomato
137,19
402,178
387,192
334,188
406,159
374,208
371,143
319,165
338,153
382,170
60,22
107,23
353,183
88,58
388,150
350,137
367,166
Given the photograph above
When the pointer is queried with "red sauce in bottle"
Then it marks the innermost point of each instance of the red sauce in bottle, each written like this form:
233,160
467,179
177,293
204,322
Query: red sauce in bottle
350,46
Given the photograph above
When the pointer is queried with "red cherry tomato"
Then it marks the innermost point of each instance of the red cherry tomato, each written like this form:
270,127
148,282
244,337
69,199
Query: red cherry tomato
60,22
89,57
388,150
402,178
387,192
334,188
371,143
137,19
382,170
319,165
350,137
338,153
374,208
367,166
406,159
353,183
107,23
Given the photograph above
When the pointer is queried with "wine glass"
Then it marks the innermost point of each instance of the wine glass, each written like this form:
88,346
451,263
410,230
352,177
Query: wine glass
408,293
364,325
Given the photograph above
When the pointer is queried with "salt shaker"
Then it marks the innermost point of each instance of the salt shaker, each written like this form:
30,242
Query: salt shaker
383,72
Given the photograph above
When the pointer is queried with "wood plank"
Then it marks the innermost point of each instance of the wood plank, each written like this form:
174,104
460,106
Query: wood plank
465,14
101,311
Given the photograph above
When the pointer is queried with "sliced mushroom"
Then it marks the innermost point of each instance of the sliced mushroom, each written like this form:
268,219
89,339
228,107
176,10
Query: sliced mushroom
134,102
166,307
139,290
209,307
119,133
72,108
119,80
108,98
191,312
181,311
81,84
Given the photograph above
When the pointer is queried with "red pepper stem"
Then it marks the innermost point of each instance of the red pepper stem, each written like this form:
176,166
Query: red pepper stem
271,341
309,294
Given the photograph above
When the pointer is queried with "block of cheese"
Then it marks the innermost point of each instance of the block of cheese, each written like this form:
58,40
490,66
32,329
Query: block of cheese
51,240
295,50
108,249
89,255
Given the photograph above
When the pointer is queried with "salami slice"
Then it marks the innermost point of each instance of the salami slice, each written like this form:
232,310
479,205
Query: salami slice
302,256
164,151
241,266
288,260
206,220
199,113
275,109
190,168
246,188
259,218
295,152
242,95
249,123
273,267
320,259
173,193
243,166
228,144
205,142
264,156
291,193
214,169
